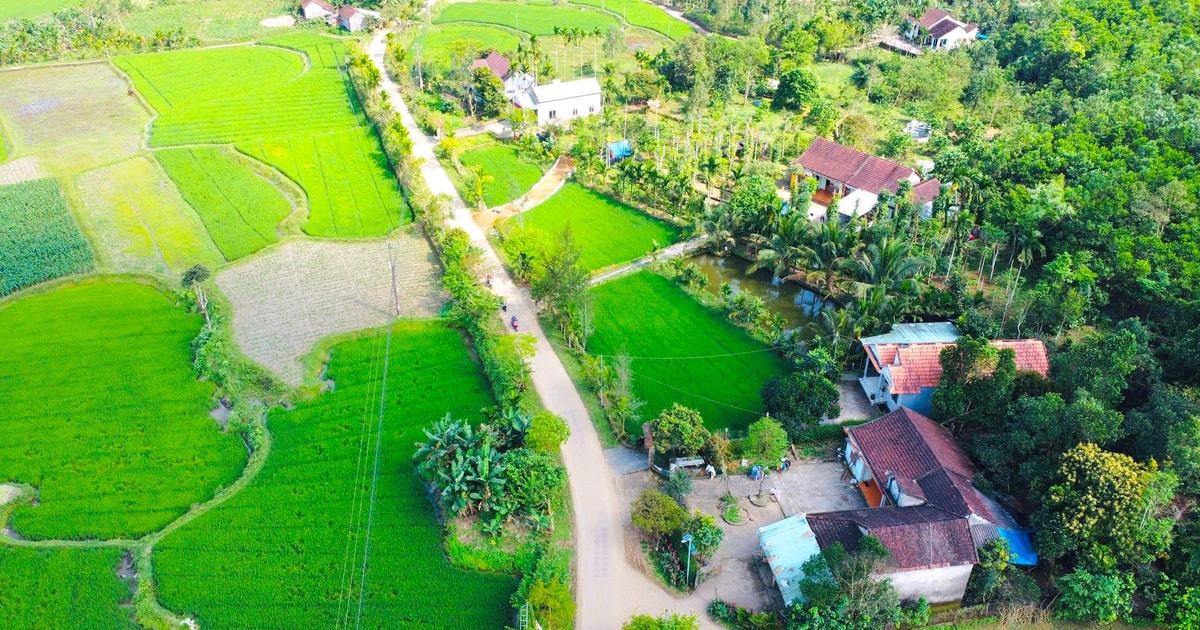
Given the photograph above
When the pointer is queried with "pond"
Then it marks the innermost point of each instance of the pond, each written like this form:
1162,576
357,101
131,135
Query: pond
797,305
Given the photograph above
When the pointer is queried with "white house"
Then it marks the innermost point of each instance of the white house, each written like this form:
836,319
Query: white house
560,102
515,82
353,19
316,9
856,179
938,30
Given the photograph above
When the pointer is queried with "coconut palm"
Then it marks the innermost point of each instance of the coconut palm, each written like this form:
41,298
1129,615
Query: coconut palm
888,264
784,249
718,224
832,249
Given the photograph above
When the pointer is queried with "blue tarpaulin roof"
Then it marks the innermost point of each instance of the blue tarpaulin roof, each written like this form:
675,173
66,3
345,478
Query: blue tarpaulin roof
620,149
1020,546
787,545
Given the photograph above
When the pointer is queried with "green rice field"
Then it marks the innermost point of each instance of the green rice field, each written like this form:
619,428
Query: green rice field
62,588
535,19
435,43
288,547
285,104
512,175
643,14
683,352
17,9
608,232
39,240
103,413
240,209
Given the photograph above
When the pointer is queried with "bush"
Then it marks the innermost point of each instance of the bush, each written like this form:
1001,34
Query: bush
657,514
799,400
678,430
552,604
547,432
678,485
1100,597
706,535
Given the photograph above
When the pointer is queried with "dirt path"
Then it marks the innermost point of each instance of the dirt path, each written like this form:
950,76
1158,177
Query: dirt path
544,189
607,588
674,251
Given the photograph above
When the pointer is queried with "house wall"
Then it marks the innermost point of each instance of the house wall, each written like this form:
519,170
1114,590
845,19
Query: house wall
516,83
921,403
312,12
858,467
568,109
940,586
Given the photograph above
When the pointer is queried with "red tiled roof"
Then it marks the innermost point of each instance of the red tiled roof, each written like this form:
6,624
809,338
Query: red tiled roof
855,168
926,191
909,445
347,12
497,63
932,16
921,537
920,364
324,5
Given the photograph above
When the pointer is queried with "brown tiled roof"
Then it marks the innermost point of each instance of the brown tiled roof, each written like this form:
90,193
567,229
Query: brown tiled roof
926,191
855,168
932,16
347,11
909,445
921,537
954,493
497,63
321,3
920,365
944,27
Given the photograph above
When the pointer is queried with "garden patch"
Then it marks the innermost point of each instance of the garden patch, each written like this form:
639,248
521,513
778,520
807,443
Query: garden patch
511,175
38,238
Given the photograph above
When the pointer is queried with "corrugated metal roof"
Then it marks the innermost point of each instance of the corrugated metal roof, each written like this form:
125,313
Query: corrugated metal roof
787,545
923,332
566,89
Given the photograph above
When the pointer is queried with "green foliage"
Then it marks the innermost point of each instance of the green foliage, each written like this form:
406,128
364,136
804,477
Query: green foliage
608,231
105,415
92,29
547,432
995,580
800,399
552,604
649,316
1179,606
706,534
62,588
1100,597
766,443
39,240
798,88
241,210
673,621
976,383
489,93
228,565
1099,365
1102,509
562,285
678,485
533,480
841,585
530,18
657,514
278,110
679,431
644,15
526,247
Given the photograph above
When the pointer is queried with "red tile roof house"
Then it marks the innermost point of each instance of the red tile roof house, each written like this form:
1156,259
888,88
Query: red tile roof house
858,179
923,506
938,30
901,372
316,9
353,19
514,82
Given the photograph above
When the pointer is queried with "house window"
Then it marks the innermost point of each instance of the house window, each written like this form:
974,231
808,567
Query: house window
591,109
553,114
574,112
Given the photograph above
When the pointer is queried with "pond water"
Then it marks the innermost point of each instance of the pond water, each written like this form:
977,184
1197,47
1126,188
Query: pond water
797,305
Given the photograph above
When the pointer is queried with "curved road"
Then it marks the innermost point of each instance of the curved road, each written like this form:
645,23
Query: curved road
608,588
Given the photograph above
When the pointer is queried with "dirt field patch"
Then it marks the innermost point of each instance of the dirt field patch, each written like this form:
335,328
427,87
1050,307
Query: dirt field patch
303,291
17,171
275,22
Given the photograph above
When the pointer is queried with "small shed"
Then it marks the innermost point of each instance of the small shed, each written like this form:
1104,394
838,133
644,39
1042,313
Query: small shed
786,546
617,151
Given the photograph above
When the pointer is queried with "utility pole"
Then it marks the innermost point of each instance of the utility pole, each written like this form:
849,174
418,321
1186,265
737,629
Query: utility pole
392,266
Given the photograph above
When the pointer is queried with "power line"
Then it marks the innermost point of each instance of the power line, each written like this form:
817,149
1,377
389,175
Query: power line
696,357
362,583
717,402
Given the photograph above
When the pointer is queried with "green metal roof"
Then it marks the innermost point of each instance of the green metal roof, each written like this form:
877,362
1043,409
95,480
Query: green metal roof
787,545
924,332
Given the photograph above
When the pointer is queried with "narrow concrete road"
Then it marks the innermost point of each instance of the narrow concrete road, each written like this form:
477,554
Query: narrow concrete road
608,588
674,251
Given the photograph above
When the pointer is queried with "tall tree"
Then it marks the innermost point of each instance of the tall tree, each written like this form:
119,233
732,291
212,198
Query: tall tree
563,283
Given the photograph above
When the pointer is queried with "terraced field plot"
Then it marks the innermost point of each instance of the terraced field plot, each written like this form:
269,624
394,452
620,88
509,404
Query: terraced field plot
288,107
607,231
210,20
288,547
535,19
643,14
38,238
436,42
62,588
287,300
103,413
30,8
649,317
240,209
512,176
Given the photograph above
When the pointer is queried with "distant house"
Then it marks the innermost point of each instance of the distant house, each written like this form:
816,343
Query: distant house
317,9
938,30
903,367
354,20
924,508
514,82
559,102
857,179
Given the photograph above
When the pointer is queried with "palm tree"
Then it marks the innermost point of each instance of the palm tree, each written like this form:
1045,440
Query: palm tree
784,249
710,166
718,224
832,250
888,264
